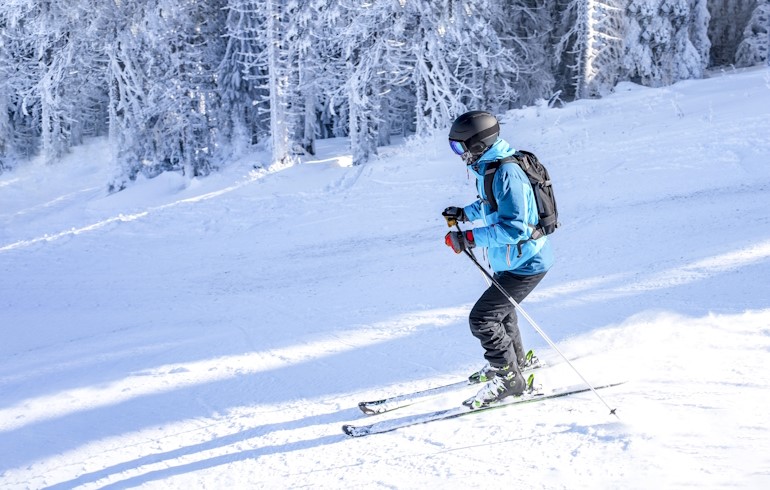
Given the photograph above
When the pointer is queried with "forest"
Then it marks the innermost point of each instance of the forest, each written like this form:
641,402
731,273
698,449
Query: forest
185,85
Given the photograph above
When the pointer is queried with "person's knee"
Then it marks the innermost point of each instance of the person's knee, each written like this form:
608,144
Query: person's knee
480,319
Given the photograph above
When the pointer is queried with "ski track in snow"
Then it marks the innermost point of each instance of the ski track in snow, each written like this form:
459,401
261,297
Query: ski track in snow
218,332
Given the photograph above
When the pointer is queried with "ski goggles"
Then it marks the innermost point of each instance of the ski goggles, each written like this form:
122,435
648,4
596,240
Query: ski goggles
458,147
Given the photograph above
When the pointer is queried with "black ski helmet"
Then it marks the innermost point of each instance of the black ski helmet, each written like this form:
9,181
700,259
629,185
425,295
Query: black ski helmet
476,130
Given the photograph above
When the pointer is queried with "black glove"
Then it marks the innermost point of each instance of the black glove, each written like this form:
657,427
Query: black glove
458,241
453,214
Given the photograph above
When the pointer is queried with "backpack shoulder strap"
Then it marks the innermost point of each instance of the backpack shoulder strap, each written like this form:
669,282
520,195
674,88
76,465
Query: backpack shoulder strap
489,177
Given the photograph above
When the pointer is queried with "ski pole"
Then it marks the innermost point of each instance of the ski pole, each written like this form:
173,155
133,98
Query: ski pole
539,330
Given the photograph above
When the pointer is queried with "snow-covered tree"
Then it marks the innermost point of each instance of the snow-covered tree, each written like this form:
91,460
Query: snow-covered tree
281,74
276,44
699,25
53,51
306,103
15,59
729,19
6,128
440,57
523,27
563,40
483,54
362,69
755,44
361,41
659,50
165,103
54,92
329,73
600,43
590,46
242,73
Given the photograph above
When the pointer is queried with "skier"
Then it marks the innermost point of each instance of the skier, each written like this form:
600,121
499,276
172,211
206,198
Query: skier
518,262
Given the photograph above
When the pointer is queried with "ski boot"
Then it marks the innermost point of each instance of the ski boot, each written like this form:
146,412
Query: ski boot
487,372
506,381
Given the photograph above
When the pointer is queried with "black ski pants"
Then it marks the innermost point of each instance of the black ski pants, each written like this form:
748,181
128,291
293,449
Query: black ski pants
493,319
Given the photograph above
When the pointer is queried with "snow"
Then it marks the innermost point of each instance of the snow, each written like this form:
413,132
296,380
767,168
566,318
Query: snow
218,332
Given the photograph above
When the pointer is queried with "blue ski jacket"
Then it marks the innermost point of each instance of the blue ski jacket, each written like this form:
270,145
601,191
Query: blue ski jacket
516,211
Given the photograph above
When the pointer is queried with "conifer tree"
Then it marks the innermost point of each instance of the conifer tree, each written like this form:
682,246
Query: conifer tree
753,48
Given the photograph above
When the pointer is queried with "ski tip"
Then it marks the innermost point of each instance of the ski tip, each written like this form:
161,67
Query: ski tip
365,407
353,431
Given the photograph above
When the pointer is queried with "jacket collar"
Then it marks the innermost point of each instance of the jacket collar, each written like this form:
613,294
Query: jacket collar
500,149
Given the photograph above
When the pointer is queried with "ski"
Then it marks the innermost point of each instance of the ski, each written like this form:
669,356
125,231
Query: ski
399,401
449,413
